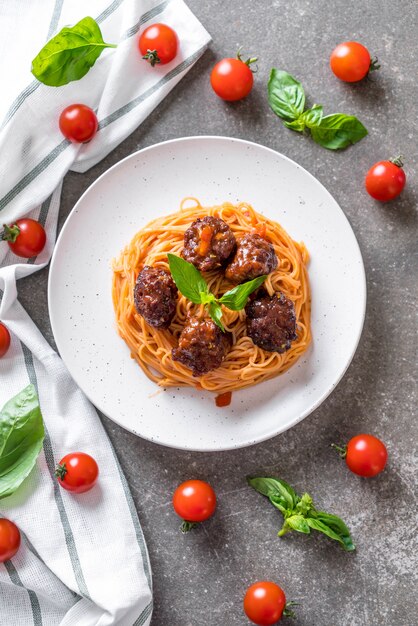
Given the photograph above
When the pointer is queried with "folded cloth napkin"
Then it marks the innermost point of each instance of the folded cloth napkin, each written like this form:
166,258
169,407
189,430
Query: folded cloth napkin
83,559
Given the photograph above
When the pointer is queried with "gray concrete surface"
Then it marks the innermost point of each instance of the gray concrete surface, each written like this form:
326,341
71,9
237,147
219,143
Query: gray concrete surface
200,579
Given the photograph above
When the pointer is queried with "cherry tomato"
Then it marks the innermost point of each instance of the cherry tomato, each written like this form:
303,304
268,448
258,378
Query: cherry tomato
194,501
78,123
77,472
366,455
232,79
264,603
9,539
158,44
386,179
26,237
4,340
350,61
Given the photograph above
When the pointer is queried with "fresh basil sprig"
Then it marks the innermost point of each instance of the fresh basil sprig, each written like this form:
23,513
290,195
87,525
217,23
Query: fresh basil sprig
300,513
21,438
193,286
70,54
287,100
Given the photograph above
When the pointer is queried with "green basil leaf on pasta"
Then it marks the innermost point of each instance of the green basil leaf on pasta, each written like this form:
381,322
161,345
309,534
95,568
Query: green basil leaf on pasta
188,279
286,95
70,54
21,438
215,312
237,298
338,131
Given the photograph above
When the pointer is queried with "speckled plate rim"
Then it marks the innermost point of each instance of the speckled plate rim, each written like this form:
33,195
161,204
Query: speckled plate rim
315,404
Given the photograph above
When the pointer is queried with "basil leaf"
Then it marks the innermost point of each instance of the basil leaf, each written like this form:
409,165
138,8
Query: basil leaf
286,95
320,526
70,54
236,298
305,504
21,438
338,131
275,488
298,523
337,525
312,117
297,125
308,119
188,279
215,312
280,503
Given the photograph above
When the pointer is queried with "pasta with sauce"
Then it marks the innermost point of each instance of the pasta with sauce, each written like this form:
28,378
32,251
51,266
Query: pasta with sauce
245,364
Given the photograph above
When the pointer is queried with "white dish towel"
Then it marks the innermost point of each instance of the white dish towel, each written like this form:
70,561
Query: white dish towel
83,559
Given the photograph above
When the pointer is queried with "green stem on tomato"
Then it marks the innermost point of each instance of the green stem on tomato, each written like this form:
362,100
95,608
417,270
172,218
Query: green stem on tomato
287,612
186,526
61,471
397,160
374,65
342,450
249,61
10,233
152,57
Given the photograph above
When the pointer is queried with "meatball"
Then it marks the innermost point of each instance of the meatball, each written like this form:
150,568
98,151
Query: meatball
202,346
208,243
155,296
271,322
254,257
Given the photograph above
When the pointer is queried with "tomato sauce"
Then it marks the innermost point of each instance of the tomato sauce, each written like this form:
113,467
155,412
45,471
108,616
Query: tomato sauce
224,399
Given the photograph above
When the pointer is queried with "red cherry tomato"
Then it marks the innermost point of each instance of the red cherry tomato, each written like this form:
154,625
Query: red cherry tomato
366,455
26,237
4,340
385,180
264,603
9,539
232,79
77,472
78,123
194,501
158,44
350,61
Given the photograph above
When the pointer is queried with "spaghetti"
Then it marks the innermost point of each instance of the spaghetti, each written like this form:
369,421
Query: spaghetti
245,364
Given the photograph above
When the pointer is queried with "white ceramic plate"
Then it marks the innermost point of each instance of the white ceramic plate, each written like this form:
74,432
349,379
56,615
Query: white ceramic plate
150,183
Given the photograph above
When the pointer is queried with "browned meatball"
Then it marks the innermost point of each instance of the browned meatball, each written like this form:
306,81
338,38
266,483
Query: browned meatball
155,296
208,243
271,322
202,346
254,257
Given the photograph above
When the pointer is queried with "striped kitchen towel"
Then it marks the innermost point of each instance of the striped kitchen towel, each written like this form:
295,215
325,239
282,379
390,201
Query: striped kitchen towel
83,559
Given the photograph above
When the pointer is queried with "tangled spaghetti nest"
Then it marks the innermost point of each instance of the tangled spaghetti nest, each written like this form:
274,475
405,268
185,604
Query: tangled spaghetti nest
245,364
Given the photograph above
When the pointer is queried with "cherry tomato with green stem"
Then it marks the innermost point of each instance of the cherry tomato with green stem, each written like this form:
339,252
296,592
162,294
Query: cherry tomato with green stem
194,501
4,340
265,603
26,237
232,79
365,455
158,44
351,62
9,539
386,179
78,123
77,472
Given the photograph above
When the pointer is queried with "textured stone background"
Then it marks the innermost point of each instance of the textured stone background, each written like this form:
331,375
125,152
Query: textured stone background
200,579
